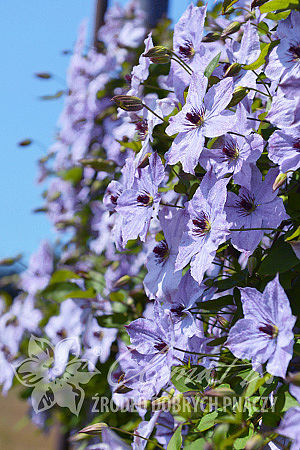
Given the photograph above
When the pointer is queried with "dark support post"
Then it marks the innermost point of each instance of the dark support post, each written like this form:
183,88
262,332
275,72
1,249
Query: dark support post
155,10
101,6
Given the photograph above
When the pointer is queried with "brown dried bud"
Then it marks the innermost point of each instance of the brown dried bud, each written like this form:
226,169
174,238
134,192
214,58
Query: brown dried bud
128,102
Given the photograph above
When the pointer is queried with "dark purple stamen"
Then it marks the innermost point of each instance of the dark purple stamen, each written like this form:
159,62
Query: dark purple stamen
230,150
161,251
201,225
144,199
196,116
246,204
142,129
268,329
178,311
294,51
114,199
296,145
161,346
186,50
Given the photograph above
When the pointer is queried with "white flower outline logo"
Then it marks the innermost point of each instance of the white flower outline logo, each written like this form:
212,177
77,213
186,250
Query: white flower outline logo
54,379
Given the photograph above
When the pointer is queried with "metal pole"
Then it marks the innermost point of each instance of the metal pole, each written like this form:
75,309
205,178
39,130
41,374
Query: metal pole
155,10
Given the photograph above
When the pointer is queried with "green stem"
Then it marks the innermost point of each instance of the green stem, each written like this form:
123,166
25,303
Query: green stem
250,229
133,434
151,110
182,64
156,87
260,92
265,85
173,206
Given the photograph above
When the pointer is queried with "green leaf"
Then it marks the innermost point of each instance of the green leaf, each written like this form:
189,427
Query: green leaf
63,275
78,293
116,320
280,259
73,175
227,4
275,5
212,65
99,164
176,440
266,49
255,383
58,292
216,304
217,341
58,94
207,421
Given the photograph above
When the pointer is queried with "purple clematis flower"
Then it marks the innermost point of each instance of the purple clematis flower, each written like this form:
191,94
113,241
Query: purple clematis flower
202,115
265,334
207,227
140,203
39,270
181,303
154,342
234,153
140,72
161,276
256,207
289,426
284,60
284,148
188,45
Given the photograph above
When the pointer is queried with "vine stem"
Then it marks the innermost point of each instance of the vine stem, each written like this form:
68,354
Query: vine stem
250,229
173,206
153,112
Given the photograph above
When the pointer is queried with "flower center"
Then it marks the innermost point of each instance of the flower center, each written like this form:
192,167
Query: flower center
161,346
201,225
196,116
296,145
294,51
269,329
178,310
114,199
230,151
161,251
246,204
187,50
142,129
144,199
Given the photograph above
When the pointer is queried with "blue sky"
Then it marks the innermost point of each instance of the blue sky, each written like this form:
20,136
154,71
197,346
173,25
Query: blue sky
34,34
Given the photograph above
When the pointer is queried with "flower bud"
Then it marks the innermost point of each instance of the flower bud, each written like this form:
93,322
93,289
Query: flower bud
128,102
251,264
122,281
232,28
222,321
25,142
158,54
211,37
254,443
238,94
279,181
219,392
94,429
232,70
43,75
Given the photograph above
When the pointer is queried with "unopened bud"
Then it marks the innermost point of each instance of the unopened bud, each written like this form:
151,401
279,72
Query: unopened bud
10,261
238,94
222,321
145,161
251,264
232,28
294,378
122,281
25,142
255,443
219,392
211,37
128,102
232,70
93,429
43,75
158,54
279,181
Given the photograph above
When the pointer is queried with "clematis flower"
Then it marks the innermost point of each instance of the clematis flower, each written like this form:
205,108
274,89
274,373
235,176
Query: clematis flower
284,60
256,207
39,271
188,45
207,227
284,148
154,342
140,72
161,276
202,116
289,426
265,334
234,153
140,203
181,303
